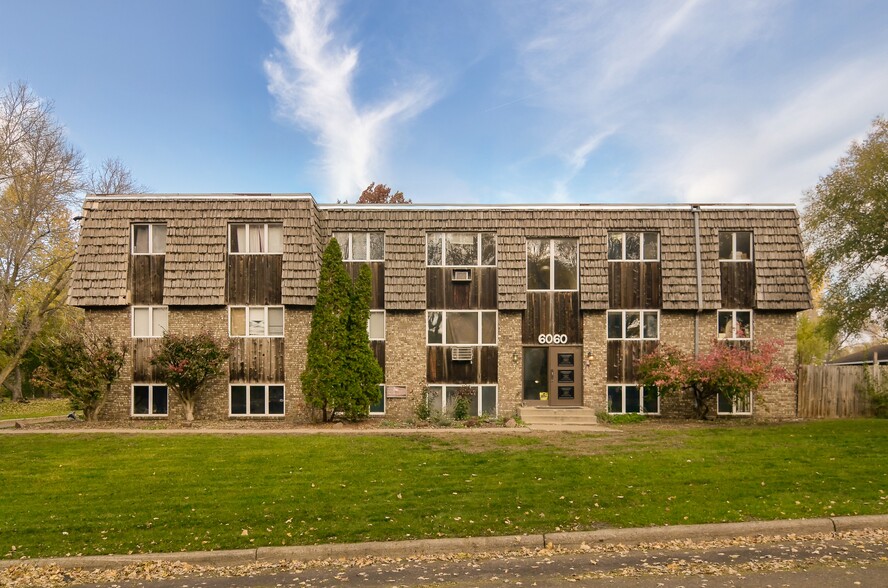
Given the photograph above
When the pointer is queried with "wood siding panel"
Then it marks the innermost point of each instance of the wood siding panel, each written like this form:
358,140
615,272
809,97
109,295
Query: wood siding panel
378,348
566,316
489,365
146,279
737,284
440,369
377,280
143,350
488,287
256,360
622,359
443,293
253,279
537,317
435,288
635,285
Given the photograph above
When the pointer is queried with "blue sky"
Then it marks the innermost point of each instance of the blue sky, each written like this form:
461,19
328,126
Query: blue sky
461,101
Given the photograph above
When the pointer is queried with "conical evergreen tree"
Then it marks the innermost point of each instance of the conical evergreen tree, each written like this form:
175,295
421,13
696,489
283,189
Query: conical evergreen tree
326,374
363,372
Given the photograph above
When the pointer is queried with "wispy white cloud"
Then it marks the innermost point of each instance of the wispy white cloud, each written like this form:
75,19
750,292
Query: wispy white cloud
312,77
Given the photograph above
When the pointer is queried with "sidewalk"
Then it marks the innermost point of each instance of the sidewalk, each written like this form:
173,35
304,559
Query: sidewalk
425,547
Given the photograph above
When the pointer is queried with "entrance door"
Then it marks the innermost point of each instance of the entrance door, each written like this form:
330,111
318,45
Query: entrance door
565,376
553,376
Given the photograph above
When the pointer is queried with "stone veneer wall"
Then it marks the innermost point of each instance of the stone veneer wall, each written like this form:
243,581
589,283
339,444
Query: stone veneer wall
406,361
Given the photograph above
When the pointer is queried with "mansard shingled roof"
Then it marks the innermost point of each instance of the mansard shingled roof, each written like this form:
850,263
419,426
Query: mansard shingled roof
195,259
194,272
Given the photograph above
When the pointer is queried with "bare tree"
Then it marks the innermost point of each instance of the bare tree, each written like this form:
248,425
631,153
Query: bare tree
113,177
40,179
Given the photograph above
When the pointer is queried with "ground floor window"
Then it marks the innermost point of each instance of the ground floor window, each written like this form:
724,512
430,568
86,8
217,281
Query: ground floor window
150,400
482,398
737,406
629,398
379,407
257,400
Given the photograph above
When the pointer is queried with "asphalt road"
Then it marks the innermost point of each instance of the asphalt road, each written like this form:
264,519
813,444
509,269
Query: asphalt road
853,559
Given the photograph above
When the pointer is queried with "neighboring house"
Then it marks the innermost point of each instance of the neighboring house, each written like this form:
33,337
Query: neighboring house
547,305
869,356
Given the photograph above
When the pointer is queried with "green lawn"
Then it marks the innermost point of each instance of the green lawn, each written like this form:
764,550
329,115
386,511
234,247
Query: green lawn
63,495
38,407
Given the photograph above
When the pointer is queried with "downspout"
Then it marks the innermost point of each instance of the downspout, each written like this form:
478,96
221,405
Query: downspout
696,211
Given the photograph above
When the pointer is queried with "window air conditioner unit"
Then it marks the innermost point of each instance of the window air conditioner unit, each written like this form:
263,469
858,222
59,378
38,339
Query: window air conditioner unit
461,275
462,353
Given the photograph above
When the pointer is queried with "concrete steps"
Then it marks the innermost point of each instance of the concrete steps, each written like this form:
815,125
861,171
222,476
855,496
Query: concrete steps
559,419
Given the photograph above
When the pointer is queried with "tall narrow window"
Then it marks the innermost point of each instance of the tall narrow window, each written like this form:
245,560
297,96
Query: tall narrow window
149,239
735,246
376,325
267,238
149,321
552,264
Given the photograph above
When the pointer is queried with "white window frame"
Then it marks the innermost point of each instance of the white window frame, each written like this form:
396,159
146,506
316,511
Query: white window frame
444,329
477,395
247,226
151,413
622,235
734,246
551,287
150,238
151,309
247,334
366,236
478,249
734,312
265,414
623,337
384,404
623,387
737,408
382,312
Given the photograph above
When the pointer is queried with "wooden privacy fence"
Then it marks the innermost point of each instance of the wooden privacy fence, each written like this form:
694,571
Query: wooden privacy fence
836,390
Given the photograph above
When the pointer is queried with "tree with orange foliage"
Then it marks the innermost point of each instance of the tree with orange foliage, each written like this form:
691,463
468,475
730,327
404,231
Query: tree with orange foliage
382,194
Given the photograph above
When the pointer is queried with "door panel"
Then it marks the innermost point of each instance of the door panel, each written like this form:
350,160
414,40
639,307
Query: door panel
565,376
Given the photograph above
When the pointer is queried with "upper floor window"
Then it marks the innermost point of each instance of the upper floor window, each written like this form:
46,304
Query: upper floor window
361,246
644,246
461,327
633,324
735,246
461,249
149,239
256,321
256,238
552,264
376,325
150,321
735,325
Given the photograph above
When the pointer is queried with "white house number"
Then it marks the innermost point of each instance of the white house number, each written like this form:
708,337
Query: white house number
550,339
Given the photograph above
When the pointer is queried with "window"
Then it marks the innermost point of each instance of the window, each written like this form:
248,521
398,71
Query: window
149,239
735,325
633,324
255,321
630,398
552,264
361,246
379,407
460,249
256,238
257,400
150,400
150,321
644,246
735,246
737,406
482,398
376,325
461,327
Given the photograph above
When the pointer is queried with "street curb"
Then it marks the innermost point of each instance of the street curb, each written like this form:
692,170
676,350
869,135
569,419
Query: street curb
394,549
